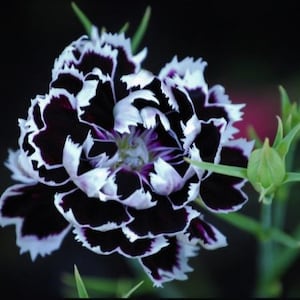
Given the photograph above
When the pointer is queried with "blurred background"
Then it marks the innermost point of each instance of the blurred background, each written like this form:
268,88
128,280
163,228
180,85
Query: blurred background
251,48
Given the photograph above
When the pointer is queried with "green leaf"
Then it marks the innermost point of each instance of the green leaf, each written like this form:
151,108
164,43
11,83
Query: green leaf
285,102
127,295
87,24
283,146
285,258
82,292
292,177
124,28
140,32
279,133
219,168
243,222
255,228
254,136
283,238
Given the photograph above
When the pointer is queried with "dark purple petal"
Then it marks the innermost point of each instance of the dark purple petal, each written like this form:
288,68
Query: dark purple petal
222,192
208,141
160,219
170,262
206,234
40,228
206,111
234,154
91,59
111,241
69,81
92,212
187,193
132,191
100,108
61,120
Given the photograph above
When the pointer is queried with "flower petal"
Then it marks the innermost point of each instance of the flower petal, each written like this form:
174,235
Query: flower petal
160,219
125,114
170,262
206,234
131,191
166,179
107,242
81,210
91,181
40,228
59,116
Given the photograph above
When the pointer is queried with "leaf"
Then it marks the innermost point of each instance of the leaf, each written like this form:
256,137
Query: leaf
87,24
127,295
82,292
140,32
254,227
219,168
283,146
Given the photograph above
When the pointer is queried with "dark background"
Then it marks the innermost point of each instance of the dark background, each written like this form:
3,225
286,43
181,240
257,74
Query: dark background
251,47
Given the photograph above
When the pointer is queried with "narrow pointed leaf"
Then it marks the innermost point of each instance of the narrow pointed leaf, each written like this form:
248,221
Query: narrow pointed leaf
140,32
127,295
87,24
254,136
124,28
82,292
219,168
279,133
285,102
284,145
254,227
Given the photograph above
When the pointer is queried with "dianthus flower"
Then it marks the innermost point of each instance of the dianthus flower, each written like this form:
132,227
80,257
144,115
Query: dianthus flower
102,155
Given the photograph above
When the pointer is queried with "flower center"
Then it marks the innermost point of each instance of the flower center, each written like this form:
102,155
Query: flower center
133,152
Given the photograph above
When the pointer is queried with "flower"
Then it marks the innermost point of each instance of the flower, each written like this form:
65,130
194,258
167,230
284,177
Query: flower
102,155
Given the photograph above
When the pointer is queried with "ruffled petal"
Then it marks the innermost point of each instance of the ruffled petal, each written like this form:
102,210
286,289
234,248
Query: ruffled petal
206,234
166,179
171,262
81,210
112,241
131,191
160,219
91,181
40,228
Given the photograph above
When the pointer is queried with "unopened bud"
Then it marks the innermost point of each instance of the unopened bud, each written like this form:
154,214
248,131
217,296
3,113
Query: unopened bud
266,169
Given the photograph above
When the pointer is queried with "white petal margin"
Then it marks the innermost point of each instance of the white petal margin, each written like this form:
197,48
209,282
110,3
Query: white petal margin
185,250
158,243
69,216
190,130
166,179
132,236
21,167
139,200
187,73
148,115
125,114
211,238
90,182
141,79
30,244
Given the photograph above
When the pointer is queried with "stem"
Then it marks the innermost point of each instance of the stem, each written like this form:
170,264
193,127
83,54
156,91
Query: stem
265,288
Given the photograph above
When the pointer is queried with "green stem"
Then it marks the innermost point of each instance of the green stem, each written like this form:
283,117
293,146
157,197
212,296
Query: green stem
265,288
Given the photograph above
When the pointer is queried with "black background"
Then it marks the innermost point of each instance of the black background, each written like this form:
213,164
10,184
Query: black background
251,47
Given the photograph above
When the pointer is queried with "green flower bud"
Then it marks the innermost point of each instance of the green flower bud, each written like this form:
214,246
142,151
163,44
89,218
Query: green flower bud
266,170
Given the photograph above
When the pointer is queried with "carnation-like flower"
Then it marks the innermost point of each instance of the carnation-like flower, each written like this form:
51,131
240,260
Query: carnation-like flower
102,154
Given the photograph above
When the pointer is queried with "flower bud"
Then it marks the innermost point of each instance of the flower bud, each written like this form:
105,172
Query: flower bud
266,170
